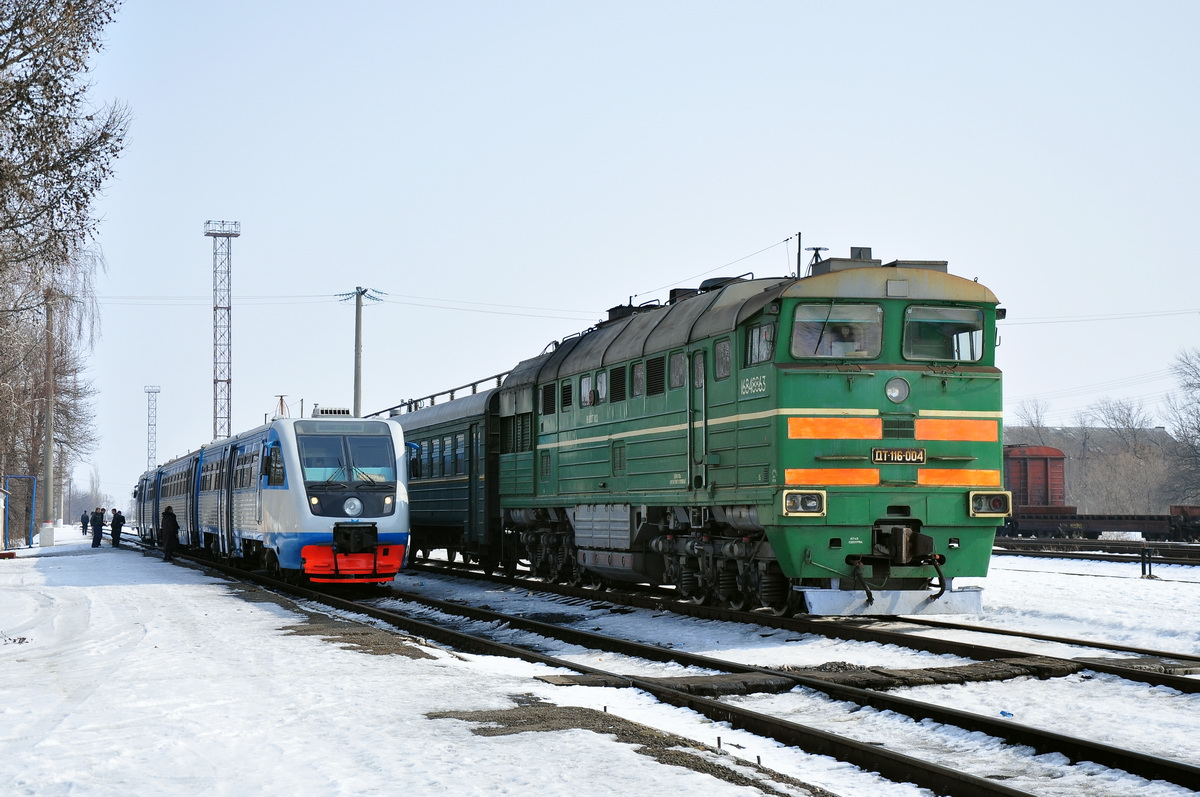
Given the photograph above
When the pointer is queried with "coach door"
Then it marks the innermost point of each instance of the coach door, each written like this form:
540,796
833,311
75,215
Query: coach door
698,417
225,510
476,486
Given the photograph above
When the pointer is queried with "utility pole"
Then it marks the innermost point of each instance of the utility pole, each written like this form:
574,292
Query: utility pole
358,295
47,535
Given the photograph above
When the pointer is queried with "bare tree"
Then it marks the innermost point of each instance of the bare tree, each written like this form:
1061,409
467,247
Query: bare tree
1032,414
57,149
1183,415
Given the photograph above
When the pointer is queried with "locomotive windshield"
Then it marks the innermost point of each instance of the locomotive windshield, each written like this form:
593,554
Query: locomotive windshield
336,453
943,333
837,330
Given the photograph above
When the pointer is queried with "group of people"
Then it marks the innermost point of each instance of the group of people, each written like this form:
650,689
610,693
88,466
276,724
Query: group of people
96,521
169,528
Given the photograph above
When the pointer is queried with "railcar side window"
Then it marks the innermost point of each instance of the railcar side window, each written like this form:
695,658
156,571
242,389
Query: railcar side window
722,359
639,379
678,369
586,397
275,474
837,331
601,387
760,343
943,333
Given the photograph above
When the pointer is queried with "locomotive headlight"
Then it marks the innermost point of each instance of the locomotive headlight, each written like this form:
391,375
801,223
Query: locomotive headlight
387,501
896,389
806,502
991,504
353,507
314,502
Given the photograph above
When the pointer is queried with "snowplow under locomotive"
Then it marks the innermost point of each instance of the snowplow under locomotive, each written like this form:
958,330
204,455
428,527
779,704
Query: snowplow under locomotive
829,443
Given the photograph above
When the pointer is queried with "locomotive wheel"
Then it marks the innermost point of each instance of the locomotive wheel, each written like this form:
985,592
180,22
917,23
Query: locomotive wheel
739,602
702,597
782,609
450,554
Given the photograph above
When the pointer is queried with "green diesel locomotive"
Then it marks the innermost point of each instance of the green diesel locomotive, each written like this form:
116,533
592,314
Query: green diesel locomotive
828,443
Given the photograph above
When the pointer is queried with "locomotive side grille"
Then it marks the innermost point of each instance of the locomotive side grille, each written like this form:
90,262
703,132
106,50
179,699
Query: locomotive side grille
548,406
899,428
656,376
616,383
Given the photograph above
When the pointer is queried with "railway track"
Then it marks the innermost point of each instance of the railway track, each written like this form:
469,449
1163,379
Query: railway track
1170,669
396,609
1158,553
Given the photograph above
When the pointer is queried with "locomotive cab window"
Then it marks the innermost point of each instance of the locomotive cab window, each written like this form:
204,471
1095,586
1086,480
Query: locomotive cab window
943,333
837,331
760,343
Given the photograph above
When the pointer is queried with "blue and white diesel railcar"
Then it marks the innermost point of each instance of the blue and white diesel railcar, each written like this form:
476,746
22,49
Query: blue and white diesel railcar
323,498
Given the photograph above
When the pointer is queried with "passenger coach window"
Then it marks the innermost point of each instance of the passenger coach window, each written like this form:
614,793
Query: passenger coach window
639,379
837,331
943,333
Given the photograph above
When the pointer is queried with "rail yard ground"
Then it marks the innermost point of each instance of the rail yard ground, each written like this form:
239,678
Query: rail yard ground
120,674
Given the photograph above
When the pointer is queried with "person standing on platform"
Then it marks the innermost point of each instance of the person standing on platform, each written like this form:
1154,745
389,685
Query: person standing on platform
170,533
83,519
97,525
116,524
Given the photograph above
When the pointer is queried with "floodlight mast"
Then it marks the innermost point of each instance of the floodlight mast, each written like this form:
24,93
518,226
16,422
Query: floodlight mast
222,232
152,392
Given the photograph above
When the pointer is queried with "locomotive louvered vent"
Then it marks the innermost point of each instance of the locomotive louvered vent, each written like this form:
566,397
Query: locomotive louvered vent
656,373
548,399
567,395
899,428
616,383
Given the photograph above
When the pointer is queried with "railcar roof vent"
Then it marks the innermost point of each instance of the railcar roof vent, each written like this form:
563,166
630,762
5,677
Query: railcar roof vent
324,412
621,311
712,283
679,294
860,257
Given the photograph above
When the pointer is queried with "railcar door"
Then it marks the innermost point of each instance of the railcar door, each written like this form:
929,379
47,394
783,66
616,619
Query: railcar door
225,509
698,420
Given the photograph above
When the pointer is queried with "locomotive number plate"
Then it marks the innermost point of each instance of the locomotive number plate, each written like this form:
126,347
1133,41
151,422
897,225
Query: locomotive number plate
898,456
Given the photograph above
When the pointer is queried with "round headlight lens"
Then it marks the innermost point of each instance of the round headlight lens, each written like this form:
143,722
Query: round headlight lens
353,507
896,389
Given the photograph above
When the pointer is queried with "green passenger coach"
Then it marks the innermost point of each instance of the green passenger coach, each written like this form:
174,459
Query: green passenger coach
829,444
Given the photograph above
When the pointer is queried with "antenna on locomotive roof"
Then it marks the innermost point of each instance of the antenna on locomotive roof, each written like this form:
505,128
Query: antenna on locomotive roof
799,249
281,411
816,258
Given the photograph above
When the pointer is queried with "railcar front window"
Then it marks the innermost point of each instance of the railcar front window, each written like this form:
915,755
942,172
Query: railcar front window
347,458
943,333
837,331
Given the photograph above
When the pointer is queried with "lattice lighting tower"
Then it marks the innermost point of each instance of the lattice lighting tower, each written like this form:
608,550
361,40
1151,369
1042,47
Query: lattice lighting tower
222,232
151,425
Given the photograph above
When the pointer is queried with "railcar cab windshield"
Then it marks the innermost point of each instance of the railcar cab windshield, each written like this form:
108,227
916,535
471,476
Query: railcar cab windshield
337,451
943,333
837,331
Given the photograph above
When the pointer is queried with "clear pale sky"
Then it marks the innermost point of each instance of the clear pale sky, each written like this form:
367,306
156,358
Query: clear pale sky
506,171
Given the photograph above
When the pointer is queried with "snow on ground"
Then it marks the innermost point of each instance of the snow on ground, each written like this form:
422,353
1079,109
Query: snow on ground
122,674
